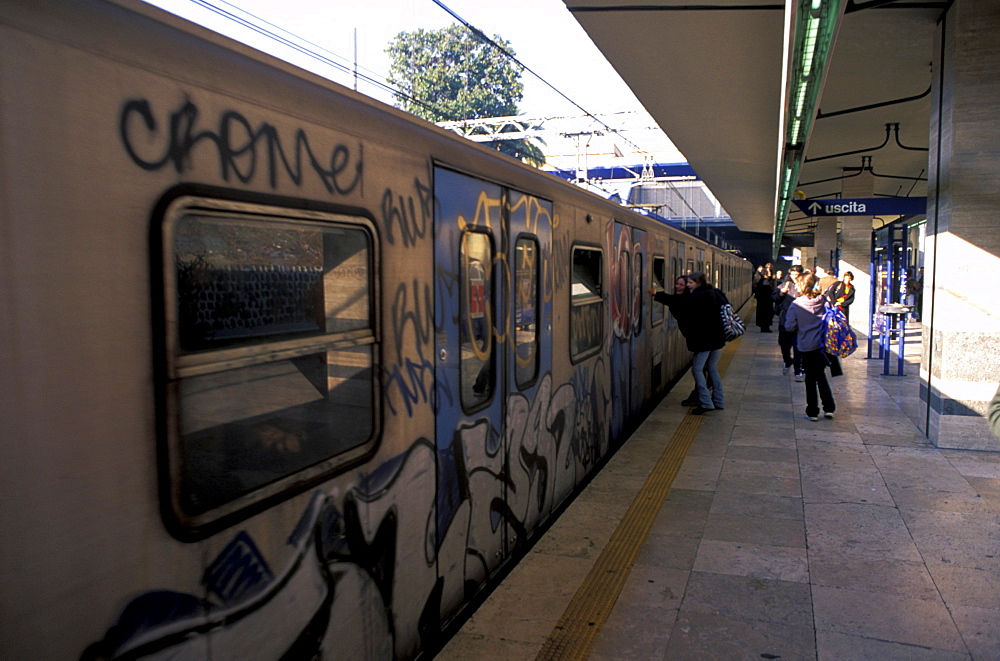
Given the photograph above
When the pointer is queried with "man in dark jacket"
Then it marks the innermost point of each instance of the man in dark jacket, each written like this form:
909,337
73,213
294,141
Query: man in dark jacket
705,335
673,304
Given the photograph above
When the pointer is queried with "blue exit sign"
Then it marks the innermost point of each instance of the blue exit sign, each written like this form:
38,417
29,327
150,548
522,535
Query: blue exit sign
864,206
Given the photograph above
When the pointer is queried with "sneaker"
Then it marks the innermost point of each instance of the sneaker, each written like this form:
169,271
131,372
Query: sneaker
800,376
698,410
785,369
814,418
689,402
828,415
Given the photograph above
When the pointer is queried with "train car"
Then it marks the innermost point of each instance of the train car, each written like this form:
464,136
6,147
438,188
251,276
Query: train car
287,373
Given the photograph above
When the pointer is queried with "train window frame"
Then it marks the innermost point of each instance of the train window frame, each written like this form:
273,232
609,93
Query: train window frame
183,369
537,304
656,312
591,300
493,346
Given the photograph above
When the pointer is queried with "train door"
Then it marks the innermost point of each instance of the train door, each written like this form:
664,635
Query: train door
493,349
625,248
531,449
657,314
469,306
641,350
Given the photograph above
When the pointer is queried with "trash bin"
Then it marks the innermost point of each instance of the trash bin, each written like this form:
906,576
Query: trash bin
895,324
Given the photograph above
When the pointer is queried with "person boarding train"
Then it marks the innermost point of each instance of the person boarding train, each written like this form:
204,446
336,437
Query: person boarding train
705,336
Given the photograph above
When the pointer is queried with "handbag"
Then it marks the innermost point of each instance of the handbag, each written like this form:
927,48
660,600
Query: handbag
838,339
732,325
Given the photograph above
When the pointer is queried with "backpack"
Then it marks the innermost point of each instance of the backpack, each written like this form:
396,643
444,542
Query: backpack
732,325
838,339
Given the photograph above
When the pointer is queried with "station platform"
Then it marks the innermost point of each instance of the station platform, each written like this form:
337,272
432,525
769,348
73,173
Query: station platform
755,533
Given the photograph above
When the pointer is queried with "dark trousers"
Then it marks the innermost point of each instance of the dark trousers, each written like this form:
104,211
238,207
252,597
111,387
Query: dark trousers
787,340
814,363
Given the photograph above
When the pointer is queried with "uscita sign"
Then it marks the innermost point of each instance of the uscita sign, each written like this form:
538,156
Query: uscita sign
865,206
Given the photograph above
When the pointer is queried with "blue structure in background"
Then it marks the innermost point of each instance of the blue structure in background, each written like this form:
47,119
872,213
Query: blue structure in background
717,229
658,170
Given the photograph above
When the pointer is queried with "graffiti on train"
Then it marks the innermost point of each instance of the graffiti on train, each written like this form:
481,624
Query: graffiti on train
242,149
625,246
586,327
411,213
373,555
561,251
625,281
410,379
590,431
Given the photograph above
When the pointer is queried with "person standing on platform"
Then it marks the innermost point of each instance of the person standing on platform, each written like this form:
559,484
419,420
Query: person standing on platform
680,290
762,290
805,319
783,297
705,337
843,295
826,280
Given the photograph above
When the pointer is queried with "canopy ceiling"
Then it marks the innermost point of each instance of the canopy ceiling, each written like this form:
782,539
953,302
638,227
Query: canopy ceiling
713,75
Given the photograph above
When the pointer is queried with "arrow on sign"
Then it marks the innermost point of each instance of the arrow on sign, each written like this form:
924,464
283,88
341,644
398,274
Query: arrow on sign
865,206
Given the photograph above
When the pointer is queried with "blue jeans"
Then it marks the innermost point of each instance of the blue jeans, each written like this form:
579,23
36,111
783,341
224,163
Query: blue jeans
707,361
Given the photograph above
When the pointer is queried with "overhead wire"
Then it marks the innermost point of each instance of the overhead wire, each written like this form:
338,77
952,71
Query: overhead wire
206,4
482,36
313,50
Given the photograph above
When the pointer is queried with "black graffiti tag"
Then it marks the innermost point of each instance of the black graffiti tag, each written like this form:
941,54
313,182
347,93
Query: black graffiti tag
412,324
241,148
410,215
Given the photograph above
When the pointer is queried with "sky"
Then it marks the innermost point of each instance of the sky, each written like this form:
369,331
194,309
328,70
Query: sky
543,34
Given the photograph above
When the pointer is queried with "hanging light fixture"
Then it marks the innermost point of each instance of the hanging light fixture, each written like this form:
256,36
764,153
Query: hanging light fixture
815,25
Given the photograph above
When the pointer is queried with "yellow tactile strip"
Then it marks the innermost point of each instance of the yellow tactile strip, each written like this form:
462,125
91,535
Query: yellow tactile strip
578,628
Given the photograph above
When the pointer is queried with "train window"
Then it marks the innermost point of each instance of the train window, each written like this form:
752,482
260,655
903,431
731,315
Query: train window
526,275
477,314
270,343
586,302
659,282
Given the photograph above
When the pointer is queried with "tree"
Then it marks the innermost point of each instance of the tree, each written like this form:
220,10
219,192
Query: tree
453,74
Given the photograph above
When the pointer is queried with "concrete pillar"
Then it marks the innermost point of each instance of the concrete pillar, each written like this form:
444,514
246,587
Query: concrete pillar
808,256
825,241
961,361
856,248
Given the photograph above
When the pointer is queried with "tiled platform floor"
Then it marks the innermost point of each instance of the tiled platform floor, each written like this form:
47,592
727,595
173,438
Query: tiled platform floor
850,538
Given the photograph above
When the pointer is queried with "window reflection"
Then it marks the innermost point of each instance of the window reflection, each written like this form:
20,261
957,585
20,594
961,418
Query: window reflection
273,368
526,310
586,309
476,320
659,283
